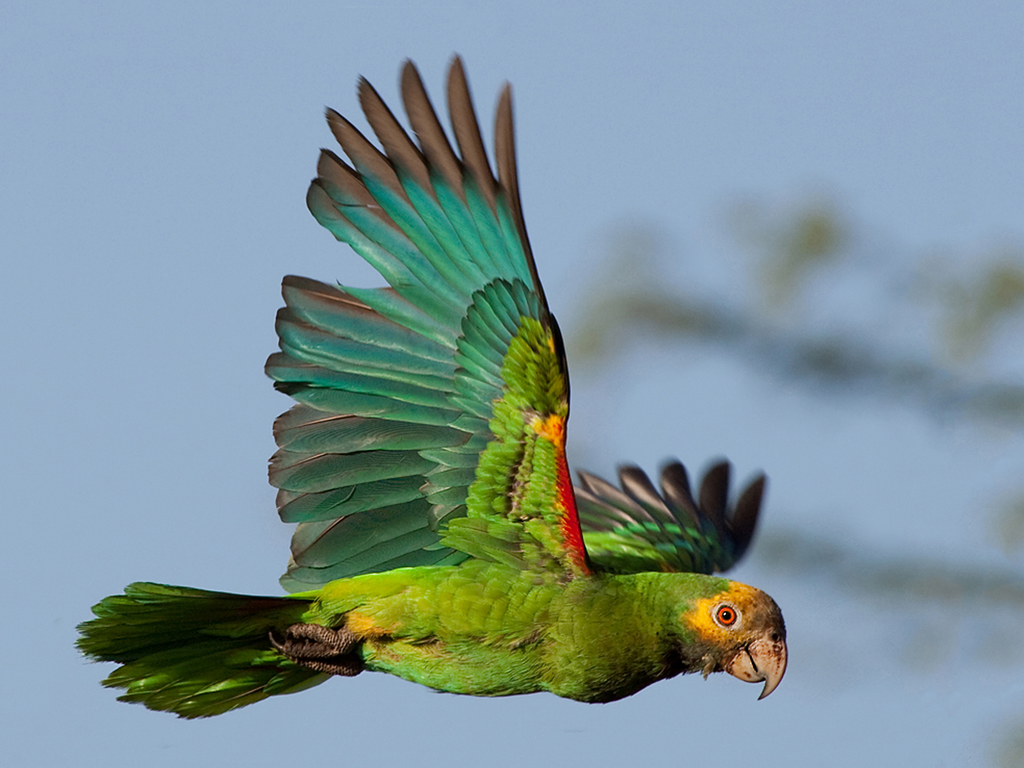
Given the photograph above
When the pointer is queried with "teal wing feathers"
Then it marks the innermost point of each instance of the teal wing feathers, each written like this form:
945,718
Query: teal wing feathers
397,388
636,529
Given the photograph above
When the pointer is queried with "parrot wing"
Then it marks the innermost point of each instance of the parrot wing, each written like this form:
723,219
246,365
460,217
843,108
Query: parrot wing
637,529
430,417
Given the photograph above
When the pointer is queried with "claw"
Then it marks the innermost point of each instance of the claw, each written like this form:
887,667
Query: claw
322,649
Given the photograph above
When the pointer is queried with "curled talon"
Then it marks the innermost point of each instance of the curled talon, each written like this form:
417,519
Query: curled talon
320,648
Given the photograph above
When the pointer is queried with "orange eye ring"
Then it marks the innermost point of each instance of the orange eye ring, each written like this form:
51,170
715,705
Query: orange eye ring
726,615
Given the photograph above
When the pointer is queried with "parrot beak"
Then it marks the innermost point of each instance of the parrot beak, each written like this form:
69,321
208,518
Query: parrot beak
763,659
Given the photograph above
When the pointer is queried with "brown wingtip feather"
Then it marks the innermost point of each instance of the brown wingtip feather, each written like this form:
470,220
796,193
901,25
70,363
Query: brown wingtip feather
714,493
508,173
467,131
398,147
744,516
675,485
367,159
505,149
425,124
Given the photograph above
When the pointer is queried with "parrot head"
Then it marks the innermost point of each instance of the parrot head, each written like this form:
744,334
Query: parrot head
740,631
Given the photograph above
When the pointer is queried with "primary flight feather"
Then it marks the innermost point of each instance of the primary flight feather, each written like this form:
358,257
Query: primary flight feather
439,535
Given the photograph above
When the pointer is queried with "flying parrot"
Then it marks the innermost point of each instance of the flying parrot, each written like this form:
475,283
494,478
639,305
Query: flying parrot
440,537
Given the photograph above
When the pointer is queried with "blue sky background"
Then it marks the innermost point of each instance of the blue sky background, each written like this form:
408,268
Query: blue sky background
153,164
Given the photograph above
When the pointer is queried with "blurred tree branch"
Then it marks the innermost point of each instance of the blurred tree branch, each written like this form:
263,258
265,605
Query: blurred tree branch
837,362
810,240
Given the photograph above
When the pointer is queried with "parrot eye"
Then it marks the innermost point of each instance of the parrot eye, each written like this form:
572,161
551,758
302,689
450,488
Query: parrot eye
726,615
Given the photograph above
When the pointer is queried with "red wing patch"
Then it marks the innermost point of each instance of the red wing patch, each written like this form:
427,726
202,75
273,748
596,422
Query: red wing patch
553,429
572,534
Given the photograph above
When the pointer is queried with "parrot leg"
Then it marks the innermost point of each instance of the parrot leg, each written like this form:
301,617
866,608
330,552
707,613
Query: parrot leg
321,649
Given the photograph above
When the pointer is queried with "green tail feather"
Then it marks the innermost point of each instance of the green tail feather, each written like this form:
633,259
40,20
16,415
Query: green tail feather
194,652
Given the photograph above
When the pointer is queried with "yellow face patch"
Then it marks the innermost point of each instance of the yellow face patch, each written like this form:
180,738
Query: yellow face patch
702,617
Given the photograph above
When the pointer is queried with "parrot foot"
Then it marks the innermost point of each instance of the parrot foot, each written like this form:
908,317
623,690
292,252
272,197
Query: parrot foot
322,649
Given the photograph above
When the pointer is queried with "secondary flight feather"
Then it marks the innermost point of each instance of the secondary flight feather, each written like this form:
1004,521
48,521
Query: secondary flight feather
439,535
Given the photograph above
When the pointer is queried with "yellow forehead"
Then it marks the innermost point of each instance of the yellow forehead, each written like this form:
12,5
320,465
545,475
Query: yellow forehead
701,617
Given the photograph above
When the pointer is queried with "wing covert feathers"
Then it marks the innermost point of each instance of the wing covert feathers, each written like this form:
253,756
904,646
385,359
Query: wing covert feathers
442,396
635,528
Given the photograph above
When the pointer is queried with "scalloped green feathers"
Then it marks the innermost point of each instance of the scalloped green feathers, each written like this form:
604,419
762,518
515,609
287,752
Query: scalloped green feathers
438,533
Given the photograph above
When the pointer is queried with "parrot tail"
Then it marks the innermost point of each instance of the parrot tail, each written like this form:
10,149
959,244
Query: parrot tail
194,652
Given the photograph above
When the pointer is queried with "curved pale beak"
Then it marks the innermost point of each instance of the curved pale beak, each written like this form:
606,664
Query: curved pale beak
763,659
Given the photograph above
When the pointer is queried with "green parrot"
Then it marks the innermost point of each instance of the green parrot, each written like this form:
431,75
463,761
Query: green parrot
440,537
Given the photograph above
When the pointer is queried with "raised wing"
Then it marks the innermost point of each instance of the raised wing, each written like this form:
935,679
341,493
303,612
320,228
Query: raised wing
435,407
635,529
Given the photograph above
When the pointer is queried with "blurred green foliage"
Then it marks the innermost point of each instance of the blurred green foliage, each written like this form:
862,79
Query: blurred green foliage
637,301
977,308
789,247
1009,752
1010,528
